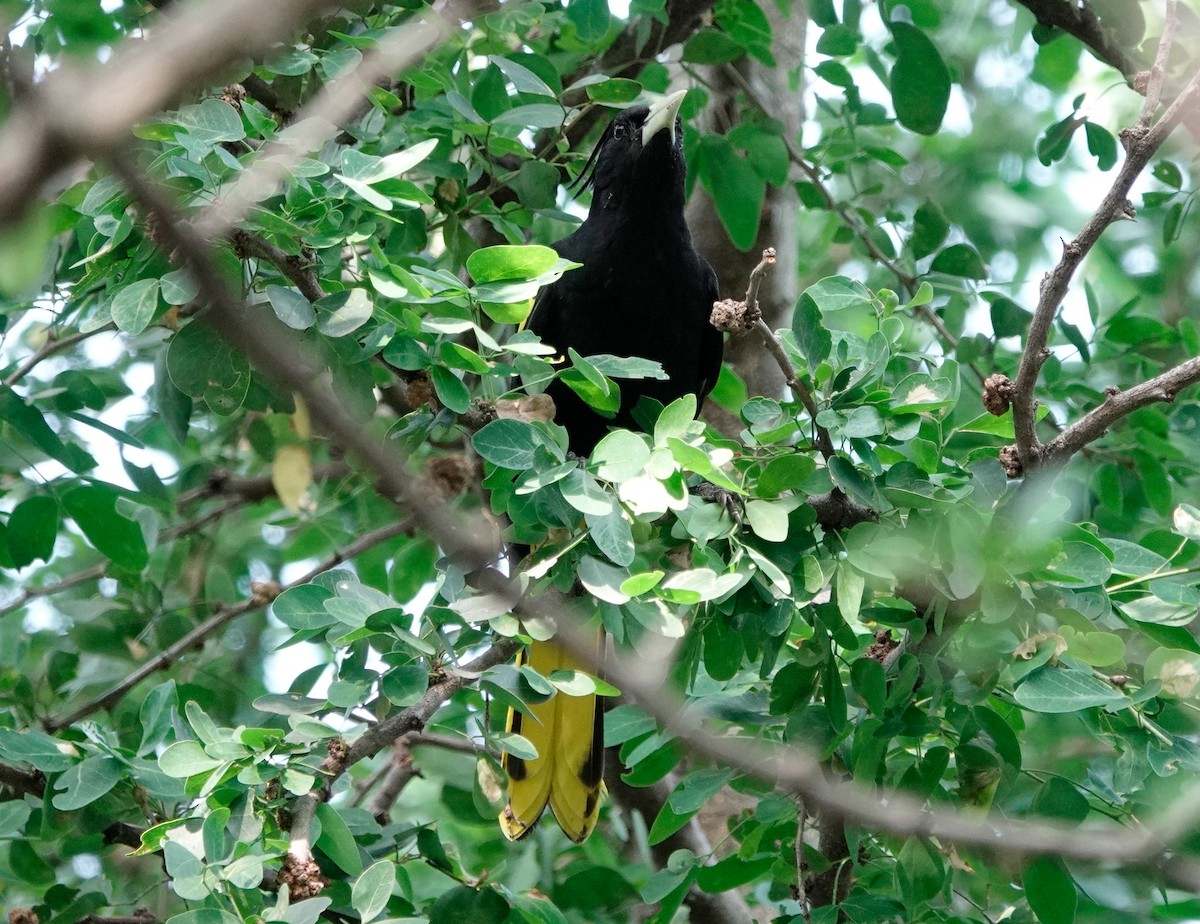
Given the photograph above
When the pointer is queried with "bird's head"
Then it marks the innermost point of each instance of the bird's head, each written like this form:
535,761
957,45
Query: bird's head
639,157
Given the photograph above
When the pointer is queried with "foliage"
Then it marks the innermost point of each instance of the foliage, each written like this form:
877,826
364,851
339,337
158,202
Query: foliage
154,480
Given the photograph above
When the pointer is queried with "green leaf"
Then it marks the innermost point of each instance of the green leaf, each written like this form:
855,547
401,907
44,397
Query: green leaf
450,389
44,752
839,293
1060,800
370,893
920,80
178,287
1056,140
406,684
400,162
642,583
814,340
1062,689
523,79
614,90
303,607
591,18
336,840
1102,145
619,456
537,115
930,228
920,871
94,509
505,262
998,425
308,911
348,310
959,260
86,782
612,534
32,529
732,872
202,364
204,916
711,46
536,184
186,758
785,473
736,188
507,444
211,122
133,306
292,308
1008,318
461,904
1168,174
13,816
31,425
768,520
1050,891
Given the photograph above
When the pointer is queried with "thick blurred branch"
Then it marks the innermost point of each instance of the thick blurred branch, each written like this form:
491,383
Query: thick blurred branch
82,110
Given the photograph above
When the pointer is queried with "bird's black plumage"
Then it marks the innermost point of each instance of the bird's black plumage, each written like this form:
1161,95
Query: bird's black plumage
643,289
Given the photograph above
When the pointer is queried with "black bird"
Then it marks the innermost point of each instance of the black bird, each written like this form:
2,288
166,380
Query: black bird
643,290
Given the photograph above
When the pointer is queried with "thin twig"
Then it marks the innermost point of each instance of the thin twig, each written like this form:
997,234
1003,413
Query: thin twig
222,617
775,347
50,348
378,737
1154,83
23,782
97,571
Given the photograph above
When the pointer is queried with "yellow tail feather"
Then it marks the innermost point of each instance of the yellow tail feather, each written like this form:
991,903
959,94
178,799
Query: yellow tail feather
568,732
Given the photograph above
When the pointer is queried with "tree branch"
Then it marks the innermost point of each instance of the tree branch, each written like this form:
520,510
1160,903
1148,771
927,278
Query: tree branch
1140,147
50,348
251,488
1081,21
1118,404
378,737
23,782
298,270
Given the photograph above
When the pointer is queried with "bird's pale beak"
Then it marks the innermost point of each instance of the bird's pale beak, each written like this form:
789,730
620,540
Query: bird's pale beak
662,115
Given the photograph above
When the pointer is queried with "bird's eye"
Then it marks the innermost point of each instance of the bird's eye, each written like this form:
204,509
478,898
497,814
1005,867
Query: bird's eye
618,130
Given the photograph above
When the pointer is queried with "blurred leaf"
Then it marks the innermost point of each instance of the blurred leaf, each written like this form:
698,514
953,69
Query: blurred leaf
920,80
